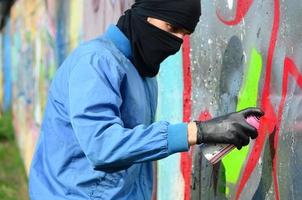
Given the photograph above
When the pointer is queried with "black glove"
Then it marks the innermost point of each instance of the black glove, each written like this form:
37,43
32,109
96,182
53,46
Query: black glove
229,129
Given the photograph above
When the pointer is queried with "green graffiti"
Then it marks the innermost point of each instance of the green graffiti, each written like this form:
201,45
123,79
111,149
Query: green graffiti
247,98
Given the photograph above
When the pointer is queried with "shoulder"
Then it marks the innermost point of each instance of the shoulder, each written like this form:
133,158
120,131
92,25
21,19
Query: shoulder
98,59
100,47
100,54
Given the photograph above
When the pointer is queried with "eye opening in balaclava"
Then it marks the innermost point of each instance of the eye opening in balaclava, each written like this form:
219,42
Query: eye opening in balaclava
169,27
151,45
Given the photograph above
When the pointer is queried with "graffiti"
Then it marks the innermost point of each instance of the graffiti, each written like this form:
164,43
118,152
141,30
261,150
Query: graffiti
37,38
7,95
244,53
98,14
266,105
271,124
186,158
96,5
170,180
243,7
243,173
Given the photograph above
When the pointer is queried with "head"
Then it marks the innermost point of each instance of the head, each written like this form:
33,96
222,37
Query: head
156,29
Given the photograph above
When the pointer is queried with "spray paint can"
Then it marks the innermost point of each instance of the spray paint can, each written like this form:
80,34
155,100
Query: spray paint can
215,152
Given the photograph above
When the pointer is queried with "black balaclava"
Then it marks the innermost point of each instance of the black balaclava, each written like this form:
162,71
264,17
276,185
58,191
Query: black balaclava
151,45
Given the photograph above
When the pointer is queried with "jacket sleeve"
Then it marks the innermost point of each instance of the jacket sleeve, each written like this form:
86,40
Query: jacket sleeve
94,106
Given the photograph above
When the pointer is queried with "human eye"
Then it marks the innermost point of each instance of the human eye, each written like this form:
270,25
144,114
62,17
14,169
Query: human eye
171,28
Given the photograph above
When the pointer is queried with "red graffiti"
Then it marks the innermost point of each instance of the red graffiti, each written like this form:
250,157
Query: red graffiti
186,158
269,124
242,8
205,115
271,121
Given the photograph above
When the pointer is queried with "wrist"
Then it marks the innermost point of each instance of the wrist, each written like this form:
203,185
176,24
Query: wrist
192,133
199,134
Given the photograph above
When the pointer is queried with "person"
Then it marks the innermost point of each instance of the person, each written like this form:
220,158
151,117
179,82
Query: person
98,137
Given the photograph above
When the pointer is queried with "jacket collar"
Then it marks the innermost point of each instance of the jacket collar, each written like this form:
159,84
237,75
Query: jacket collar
118,38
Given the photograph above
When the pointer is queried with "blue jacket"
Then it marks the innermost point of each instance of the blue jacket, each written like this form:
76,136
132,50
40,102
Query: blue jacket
98,138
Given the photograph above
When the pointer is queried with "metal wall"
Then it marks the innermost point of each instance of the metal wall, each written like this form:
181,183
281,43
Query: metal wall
243,53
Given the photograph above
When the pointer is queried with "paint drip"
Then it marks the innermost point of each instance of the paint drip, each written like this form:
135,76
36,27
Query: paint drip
215,152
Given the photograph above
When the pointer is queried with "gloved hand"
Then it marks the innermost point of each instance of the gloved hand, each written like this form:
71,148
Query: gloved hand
229,129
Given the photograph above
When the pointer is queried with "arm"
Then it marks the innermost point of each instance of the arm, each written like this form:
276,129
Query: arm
95,99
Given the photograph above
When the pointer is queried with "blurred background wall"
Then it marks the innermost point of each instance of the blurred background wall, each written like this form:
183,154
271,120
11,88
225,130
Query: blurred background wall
243,53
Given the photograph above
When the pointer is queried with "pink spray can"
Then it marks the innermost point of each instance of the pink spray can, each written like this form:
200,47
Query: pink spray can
215,152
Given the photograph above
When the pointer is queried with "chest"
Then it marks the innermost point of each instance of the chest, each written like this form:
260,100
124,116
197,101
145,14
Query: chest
139,101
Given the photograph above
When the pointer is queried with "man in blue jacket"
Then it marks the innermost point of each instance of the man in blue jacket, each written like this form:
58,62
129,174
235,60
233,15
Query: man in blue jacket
98,138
